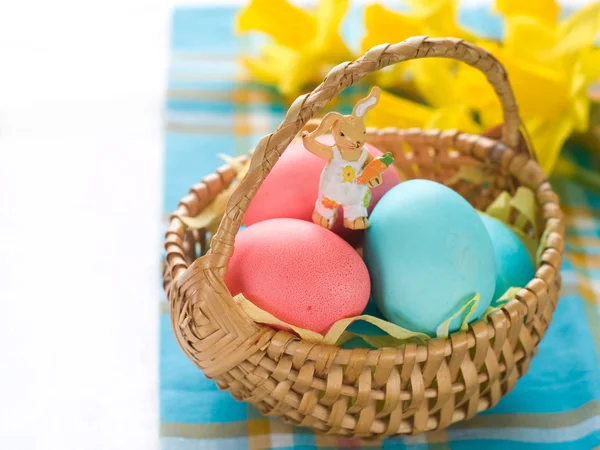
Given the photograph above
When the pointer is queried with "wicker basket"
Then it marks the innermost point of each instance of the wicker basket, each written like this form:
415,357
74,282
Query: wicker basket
361,392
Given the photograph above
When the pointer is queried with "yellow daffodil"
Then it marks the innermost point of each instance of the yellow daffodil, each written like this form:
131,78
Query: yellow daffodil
550,67
544,10
434,18
394,111
551,64
305,44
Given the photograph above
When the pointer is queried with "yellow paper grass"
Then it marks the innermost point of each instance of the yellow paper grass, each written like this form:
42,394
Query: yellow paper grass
394,335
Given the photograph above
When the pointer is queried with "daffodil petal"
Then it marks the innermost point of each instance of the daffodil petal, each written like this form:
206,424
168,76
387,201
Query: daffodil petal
435,81
426,8
383,25
475,91
528,38
458,118
540,91
580,103
545,11
284,67
591,64
548,137
393,111
261,70
293,76
439,18
432,18
395,76
329,17
285,23
306,45
579,30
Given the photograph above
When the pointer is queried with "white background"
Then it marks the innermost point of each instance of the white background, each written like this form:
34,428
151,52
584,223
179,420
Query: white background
81,92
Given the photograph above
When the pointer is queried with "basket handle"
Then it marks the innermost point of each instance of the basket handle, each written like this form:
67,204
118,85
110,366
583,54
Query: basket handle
270,147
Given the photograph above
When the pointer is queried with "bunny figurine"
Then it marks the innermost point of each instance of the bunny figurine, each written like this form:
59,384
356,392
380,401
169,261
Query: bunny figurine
341,183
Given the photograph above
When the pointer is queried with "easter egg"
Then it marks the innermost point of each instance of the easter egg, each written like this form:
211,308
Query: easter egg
301,273
361,327
514,266
292,187
364,328
428,254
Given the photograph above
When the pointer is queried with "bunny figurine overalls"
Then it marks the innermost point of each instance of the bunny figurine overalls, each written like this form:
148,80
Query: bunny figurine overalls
346,160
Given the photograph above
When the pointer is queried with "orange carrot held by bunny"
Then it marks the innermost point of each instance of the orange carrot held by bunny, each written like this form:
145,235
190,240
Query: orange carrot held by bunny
348,160
375,168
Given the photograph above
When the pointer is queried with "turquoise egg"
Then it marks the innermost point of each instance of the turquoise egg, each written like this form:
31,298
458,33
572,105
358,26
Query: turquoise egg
514,266
365,328
428,253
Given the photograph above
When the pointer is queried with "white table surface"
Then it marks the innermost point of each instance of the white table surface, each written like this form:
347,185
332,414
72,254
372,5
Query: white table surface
81,92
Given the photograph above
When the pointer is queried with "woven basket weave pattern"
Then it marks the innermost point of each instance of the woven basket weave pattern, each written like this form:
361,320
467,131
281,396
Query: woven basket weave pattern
360,392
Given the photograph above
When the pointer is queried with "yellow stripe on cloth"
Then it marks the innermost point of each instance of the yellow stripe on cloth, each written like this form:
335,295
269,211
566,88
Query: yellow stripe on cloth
259,434
584,260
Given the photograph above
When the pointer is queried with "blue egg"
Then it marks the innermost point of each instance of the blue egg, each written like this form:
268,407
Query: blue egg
514,266
428,253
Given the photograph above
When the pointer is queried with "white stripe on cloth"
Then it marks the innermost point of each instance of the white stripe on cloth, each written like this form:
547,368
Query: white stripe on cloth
536,435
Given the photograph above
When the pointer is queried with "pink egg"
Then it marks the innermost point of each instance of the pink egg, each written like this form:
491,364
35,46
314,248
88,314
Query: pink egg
299,272
292,187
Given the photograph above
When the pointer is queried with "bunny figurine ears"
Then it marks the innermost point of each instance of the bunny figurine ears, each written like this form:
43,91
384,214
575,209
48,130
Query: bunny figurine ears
357,117
367,103
348,131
